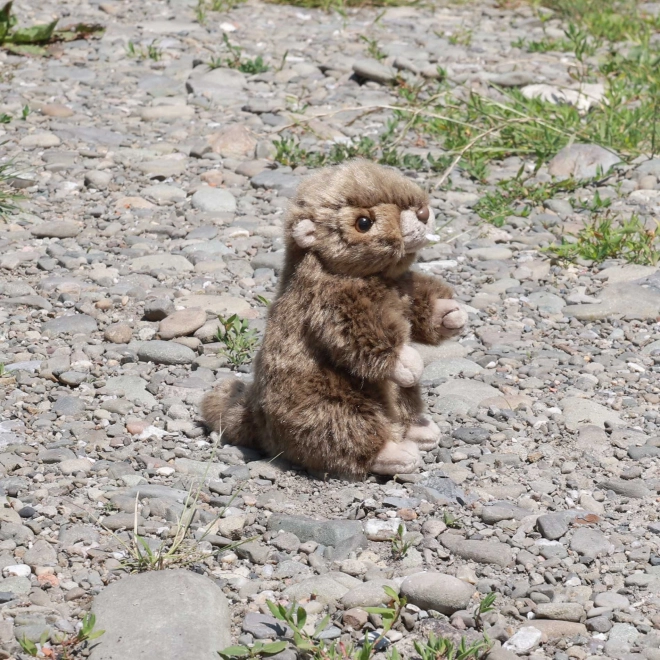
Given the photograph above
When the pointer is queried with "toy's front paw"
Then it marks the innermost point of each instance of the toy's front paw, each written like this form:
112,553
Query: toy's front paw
397,458
408,368
448,317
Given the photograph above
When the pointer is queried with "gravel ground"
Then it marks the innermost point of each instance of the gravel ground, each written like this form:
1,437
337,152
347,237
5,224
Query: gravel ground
153,204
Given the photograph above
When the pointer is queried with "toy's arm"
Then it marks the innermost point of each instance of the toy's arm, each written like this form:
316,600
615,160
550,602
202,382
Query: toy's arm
366,338
434,316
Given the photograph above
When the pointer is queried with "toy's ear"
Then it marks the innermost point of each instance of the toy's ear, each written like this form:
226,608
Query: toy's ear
304,233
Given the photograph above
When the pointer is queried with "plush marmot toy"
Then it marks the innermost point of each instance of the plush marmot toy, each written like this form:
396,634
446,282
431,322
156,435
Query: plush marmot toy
335,383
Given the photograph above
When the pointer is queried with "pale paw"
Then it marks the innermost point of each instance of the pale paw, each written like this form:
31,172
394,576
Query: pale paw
397,458
425,433
408,368
449,317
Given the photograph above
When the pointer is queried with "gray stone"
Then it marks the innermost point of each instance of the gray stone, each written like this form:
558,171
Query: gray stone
165,352
132,388
37,302
448,368
175,262
561,611
99,179
472,435
437,591
285,184
554,525
578,411
213,200
181,603
634,488
373,70
482,552
611,600
69,406
547,302
323,587
182,323
582,161
18,586
162,168
438,487
41,553
470,391
70,325
624,299
590,542
494,513
325,532
264,626
369,594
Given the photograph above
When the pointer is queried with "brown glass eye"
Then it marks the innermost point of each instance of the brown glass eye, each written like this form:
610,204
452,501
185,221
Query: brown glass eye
423,214
363,224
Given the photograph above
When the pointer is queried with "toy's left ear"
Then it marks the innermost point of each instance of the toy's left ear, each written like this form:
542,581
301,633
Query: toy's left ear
304,233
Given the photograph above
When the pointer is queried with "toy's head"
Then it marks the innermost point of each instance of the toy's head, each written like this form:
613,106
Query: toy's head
359,218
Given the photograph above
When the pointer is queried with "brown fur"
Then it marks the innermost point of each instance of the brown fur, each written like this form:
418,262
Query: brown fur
322,394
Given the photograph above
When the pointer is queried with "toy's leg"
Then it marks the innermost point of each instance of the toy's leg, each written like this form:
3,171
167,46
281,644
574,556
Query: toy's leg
424,433
397,458
420,428
225,410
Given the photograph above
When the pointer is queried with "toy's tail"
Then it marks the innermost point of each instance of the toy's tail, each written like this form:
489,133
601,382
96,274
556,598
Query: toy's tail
225,410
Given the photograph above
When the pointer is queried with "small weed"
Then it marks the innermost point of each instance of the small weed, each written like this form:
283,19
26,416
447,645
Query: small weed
517,196
264,301
3,371
606,238
485,606
236,61
289,152
372,48
5,118
33,40
239,341
65,648
441,648
7,199
258,650
450,520
25,112
400,546
151,52
462,37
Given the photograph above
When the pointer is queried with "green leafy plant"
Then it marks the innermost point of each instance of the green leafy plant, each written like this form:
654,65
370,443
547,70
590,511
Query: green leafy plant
33,40
151,51
8,199
450,520
3,371
373,49
486,604
238,339
66,647
441,648
608,238
400,546
235,60
257,650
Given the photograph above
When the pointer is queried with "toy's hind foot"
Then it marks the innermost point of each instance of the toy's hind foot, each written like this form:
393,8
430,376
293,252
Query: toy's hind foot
425,433
449,317
397,458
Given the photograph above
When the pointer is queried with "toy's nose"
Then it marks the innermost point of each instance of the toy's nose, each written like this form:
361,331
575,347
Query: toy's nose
423,214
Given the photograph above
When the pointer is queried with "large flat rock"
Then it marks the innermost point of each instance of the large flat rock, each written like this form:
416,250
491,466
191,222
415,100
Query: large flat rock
161,615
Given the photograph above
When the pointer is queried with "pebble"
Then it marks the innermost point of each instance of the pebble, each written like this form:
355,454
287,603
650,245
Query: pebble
437,591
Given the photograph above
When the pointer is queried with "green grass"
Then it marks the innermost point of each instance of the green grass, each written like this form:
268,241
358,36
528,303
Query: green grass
151,52
606,237
235,60
240,342
8,199
518,196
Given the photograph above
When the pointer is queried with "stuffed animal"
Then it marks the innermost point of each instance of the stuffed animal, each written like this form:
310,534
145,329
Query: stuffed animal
336,380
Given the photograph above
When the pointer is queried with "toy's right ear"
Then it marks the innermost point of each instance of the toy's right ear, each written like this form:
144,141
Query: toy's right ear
304,233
